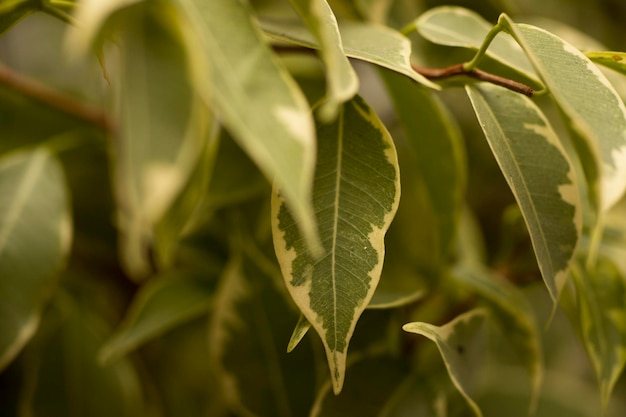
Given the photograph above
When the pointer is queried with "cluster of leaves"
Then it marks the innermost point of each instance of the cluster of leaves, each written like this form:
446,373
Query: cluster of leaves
216,161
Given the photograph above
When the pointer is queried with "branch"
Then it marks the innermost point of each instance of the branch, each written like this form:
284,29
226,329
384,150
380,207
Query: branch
459,69
46,95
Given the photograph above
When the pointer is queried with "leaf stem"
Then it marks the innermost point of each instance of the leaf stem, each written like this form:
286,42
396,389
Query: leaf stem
46,95
460,69
471,65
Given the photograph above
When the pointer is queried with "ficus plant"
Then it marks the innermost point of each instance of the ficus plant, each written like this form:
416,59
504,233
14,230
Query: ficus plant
286,208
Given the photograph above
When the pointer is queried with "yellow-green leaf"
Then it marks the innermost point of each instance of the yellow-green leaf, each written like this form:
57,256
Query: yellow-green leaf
341,79
35,234
538,172
614,60
356,192
594,109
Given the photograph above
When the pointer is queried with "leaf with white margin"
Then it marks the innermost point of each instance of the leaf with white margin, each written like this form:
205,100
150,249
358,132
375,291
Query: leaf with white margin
461,27
602,320
35,234
342,81
614,60
595,110
457,341
258,102
539,174
376,44
355,194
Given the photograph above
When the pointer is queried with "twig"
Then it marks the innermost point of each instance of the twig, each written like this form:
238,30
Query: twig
459,69
44,94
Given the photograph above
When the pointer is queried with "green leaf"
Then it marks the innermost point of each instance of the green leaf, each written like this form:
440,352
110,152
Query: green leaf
161,131
250,322
35,235
538,172
301,329
614,60
515,316
595,110
601,294
376,44
436,147
456,341
12,11
371,387
342,81
164,302
258,102
355,195
460,27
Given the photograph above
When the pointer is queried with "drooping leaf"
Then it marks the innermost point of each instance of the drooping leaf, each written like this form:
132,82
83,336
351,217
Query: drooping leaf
258,102
12,11
601,294
539,174
164,302
614,60
514,315
356,193
62,373
342,81
378,45
457,26
35,234
437,150
371,387
595,110
250,324
459,339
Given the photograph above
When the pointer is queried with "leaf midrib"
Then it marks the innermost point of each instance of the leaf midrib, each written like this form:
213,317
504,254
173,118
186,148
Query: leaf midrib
340,122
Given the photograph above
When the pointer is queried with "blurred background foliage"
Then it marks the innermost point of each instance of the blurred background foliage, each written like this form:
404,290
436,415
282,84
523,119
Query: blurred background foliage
59,373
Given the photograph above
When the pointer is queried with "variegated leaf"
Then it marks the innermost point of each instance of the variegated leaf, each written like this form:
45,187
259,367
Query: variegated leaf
356,192
610,59
595,111
539,173
342,81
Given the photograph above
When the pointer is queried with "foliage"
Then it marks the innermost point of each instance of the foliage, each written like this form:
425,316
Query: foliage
424,207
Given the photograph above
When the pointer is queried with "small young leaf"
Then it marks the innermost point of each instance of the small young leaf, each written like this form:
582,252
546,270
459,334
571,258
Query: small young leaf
258,102
454,341
162,303
342,81
35,234
595,110
457,26
250,323
614,60
539,173
376,44
355,194
602,320
301,329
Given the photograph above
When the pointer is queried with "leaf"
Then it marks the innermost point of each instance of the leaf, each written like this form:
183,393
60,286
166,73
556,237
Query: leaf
436,149
614,60
601,294
301,329
376,44
594,109
161,131
460,27
515,317
355,194
61,371
539,174
250,322
342,81
258,102
35,235
164,302
364,395
456,341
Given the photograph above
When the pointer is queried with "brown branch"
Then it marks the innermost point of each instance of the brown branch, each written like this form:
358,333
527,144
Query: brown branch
457,69
46,95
